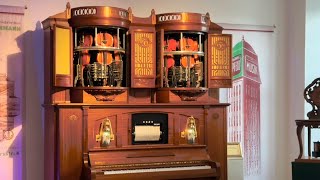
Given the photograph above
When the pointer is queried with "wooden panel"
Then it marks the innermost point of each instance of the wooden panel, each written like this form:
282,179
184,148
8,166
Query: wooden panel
171,128
216,137
141,96
62,56
220,60
122,130
70,143
119,127
121,124
143,59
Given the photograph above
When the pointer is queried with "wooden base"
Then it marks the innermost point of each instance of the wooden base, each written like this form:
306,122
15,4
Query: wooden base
99,95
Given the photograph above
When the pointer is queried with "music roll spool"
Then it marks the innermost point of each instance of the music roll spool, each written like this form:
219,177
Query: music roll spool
147,133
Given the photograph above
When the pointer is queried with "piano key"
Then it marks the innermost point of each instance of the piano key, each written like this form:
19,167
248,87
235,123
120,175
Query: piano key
157,170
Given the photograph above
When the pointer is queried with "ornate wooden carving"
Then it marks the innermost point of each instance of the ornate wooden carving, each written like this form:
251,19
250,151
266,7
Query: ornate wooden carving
143,42
105,94
99,15
312,96
187,94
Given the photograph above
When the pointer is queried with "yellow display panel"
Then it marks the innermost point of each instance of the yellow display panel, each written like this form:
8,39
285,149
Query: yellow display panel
143,54
221,56
62,51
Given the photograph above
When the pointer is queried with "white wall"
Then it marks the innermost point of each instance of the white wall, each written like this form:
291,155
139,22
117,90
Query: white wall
312,60
254,12
312,47
295,63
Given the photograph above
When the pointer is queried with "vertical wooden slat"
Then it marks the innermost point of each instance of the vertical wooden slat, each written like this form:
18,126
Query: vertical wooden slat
160,37
70,143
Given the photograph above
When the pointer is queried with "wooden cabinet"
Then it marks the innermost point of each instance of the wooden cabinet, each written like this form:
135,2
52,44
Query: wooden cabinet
114,100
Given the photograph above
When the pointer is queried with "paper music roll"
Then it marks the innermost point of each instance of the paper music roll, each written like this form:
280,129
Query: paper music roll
147,133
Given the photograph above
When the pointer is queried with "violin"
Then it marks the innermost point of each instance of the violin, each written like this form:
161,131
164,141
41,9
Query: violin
104,55
195,47
85,59
104,39
115,41
170,61
116,53
184,61
170,45
117,56
87,42
187,44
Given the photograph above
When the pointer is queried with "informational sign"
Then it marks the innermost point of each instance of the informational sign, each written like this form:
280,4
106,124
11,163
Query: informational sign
11,92
234,150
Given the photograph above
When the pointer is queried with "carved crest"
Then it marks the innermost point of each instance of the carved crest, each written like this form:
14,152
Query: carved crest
312,96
